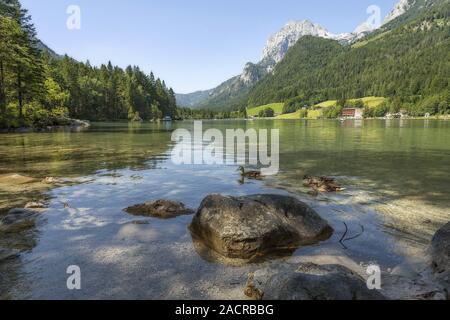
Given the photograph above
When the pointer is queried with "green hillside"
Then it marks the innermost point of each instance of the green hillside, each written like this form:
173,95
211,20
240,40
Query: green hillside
408,63
276,107
316,112
372,102
311,114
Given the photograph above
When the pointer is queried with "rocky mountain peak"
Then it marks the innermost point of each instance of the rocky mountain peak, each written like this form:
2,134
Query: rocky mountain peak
399,9
280,42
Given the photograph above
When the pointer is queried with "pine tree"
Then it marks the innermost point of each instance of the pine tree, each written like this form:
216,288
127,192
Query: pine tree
9,53
26,61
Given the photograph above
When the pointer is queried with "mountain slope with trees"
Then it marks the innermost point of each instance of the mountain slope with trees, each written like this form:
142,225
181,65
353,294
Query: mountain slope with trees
40,88
408,62
232,92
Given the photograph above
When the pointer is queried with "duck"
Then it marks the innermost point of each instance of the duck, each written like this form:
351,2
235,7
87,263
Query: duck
250,174
322,184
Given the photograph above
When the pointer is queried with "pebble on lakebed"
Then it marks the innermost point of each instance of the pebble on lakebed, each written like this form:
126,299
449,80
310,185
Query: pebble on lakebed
163,209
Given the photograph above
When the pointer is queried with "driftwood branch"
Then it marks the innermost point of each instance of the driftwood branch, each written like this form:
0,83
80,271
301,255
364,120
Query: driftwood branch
345,238
358,235
344,235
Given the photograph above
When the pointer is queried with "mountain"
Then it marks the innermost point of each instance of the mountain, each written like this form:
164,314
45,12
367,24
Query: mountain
279,44
44,48
407,59
399,9
231,92
407,10
192,99
226,95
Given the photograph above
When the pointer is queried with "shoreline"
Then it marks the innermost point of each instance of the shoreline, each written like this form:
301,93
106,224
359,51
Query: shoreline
338,119
74,125
311,119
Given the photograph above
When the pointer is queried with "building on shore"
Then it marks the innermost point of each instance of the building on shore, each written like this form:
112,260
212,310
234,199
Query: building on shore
352,113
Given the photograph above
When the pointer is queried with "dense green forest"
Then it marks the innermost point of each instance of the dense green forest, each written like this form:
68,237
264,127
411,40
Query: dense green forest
40,89
409,63
111,93
188,113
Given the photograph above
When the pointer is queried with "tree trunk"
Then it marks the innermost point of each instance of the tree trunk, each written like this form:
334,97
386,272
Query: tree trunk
2,89
20,93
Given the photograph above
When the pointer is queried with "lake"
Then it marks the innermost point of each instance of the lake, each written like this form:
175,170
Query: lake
396,175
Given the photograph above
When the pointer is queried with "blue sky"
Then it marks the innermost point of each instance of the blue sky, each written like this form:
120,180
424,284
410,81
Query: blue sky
191,44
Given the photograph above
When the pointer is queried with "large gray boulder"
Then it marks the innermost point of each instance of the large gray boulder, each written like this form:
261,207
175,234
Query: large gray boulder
253,226
440,255
440,249
313,282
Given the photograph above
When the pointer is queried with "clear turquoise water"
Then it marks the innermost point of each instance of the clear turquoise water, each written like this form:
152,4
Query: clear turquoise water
395,174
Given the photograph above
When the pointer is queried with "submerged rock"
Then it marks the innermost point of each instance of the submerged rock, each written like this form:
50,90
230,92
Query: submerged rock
20,189
18,220
412,281
164,209
440,254
251,291
440,249
15,179
35,205
313,282
18,216
6,254
18,231
254,226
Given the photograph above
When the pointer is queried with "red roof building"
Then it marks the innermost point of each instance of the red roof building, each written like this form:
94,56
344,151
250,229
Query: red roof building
353,113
